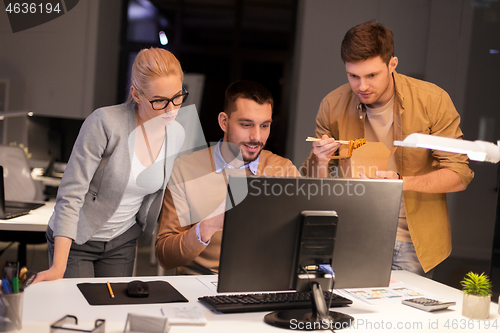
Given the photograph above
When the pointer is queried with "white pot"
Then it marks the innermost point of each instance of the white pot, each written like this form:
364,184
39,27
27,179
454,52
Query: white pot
476,307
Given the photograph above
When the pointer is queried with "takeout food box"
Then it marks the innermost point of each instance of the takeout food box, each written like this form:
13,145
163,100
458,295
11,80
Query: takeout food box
368,159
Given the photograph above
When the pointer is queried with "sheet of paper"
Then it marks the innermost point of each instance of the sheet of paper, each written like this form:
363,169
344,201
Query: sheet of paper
184,315
390,295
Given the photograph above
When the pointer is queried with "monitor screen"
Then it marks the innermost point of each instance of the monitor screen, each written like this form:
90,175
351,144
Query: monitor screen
260,235
52,137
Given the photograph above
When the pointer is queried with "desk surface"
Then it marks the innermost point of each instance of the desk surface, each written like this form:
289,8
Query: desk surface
46,302
36,220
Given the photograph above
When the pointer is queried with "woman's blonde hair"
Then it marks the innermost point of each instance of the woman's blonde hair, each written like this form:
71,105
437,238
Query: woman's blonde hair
150,64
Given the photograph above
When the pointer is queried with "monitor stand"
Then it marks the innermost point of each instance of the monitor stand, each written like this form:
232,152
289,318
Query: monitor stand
316,318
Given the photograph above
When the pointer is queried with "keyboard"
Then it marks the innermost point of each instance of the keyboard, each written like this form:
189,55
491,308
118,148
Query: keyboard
267,301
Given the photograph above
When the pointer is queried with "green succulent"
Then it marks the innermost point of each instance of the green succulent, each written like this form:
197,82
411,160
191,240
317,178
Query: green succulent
475,284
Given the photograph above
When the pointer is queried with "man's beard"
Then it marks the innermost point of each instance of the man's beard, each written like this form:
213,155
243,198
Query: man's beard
236,150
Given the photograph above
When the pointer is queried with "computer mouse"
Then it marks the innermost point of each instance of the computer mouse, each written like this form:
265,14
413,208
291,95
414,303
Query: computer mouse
137,288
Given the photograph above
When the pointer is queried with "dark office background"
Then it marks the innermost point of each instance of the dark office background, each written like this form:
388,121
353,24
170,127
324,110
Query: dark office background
223,40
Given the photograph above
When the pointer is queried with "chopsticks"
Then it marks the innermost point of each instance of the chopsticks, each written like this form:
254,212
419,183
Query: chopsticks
310,138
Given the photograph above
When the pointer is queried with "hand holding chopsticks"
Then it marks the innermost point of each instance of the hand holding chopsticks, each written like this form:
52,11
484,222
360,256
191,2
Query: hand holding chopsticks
312,139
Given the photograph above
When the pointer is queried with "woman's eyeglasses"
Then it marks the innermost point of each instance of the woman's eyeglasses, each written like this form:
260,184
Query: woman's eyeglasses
160,104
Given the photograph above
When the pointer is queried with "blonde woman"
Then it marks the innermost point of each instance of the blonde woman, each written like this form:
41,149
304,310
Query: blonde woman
113,185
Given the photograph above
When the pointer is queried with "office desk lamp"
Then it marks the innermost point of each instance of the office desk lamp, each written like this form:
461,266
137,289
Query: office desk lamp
478,150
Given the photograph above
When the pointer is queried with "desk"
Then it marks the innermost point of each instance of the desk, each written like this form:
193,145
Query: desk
36,220
46,302
22,228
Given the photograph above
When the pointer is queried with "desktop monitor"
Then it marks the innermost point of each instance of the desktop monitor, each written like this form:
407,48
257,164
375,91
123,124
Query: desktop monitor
260,235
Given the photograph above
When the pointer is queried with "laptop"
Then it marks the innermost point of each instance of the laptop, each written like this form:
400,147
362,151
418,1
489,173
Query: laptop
11,209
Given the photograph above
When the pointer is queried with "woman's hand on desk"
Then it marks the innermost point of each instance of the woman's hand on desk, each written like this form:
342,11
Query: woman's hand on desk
51,274
62,246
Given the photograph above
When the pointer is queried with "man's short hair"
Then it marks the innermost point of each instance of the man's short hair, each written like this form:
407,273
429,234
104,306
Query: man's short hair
368,40
246,89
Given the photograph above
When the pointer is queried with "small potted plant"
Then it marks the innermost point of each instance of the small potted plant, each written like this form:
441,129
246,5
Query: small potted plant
477,296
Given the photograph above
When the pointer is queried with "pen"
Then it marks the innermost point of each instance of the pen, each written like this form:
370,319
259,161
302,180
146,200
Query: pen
6,286
110,290
15,285
23,273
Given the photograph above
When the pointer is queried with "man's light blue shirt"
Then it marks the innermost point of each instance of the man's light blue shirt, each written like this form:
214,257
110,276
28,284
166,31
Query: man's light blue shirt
220,163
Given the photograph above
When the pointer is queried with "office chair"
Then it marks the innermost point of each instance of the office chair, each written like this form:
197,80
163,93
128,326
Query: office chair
19,186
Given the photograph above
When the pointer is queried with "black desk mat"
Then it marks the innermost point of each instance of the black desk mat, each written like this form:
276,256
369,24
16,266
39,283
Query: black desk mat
159,292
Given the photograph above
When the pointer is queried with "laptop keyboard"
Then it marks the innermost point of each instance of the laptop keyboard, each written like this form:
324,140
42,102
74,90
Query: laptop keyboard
18,208
11,212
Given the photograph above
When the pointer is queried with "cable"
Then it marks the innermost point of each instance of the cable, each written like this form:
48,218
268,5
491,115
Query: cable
329,270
